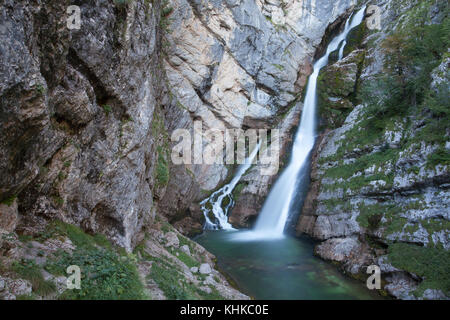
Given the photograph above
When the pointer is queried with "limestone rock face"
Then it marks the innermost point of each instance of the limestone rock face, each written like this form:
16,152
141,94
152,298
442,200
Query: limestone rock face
77,108
338,249
8,217
238,64
376,193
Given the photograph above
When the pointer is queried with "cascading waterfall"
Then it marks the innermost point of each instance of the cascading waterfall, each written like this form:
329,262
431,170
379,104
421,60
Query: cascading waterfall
344,42
214,205
275,212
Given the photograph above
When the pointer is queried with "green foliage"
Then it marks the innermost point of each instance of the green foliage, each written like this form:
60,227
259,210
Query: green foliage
175,286
411,53
105,275
162,168
440,156
165,227
29,270
58,200
9,201
107,109
170,282
40,89
370,216
432,264
185,258
238,189
166,11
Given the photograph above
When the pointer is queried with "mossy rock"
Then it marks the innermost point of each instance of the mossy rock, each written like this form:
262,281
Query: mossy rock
355,38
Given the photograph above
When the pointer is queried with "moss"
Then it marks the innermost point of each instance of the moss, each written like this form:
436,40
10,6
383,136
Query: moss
431,264
185,241
170,282
40,90
278,66
370,215
29,270
58,201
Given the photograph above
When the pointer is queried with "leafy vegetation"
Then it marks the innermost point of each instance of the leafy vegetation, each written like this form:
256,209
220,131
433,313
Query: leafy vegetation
107,273
176,287
107,108
412,53
432,264
162,168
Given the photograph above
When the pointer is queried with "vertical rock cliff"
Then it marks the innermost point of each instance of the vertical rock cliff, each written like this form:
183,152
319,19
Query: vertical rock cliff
379,192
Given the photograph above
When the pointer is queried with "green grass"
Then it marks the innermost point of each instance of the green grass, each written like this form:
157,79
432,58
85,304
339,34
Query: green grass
29,270
171,283
432,264
162,168
175,286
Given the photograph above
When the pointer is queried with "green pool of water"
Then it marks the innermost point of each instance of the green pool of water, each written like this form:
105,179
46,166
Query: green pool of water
280,269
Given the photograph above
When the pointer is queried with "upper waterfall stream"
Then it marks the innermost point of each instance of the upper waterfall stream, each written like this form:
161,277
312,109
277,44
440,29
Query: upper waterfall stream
275,212
264,262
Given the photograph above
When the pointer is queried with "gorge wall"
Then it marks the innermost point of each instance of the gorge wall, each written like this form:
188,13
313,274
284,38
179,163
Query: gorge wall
380,176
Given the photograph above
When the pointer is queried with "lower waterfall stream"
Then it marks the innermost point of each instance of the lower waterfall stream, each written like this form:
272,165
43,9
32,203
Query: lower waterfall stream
265,262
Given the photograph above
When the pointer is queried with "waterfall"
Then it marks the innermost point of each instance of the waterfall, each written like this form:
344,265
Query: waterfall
275,212
344,42
213,207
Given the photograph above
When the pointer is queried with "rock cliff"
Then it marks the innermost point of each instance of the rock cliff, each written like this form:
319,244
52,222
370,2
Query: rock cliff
85,119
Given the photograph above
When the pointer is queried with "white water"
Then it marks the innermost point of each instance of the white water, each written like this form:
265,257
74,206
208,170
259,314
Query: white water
275,212
213,204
